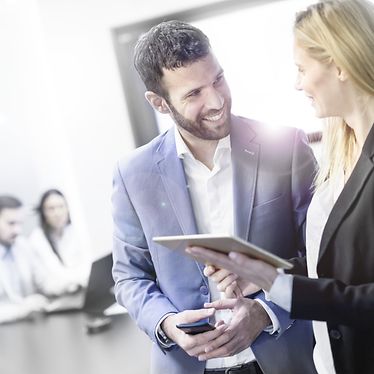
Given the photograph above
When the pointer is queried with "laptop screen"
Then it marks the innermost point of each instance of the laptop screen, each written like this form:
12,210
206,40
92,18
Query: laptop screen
99,293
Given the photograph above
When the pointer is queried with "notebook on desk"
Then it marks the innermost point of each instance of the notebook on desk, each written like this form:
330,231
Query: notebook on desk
98,295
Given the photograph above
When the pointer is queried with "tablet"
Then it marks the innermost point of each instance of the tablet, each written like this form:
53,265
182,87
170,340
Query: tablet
222,243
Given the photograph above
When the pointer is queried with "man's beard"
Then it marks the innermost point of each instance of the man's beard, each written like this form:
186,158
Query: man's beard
198,128
9,242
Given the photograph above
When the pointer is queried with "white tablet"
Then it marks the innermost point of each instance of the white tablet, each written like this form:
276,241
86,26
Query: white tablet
222,243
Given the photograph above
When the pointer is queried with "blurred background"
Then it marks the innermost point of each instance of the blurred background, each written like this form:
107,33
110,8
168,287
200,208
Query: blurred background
68,106
71,105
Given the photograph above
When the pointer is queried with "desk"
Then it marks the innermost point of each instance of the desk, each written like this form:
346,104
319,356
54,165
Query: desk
58,344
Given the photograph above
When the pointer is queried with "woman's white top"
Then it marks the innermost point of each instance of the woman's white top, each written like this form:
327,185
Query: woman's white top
76,260
318,213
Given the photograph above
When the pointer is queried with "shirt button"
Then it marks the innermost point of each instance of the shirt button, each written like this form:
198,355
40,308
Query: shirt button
204,290
335,334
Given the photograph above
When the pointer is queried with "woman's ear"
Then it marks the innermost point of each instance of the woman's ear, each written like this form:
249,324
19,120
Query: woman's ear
342,75
157,102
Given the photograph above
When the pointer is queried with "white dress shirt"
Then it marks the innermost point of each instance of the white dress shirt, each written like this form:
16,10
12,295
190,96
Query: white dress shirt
281,291
76,262
20,277
318,213
211,194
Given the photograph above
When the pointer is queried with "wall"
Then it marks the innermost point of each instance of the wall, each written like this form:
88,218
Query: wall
63,119
34,154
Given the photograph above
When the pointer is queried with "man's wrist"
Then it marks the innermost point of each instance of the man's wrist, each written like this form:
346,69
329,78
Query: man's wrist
164,339
161,336
273,325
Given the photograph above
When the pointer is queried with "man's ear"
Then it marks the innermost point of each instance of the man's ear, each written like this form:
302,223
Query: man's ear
157,102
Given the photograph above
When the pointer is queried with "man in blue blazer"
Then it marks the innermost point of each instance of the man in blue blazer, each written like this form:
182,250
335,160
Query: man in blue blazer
213,172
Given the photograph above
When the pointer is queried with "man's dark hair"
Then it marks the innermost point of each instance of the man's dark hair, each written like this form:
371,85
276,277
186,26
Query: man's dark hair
9,202
169,45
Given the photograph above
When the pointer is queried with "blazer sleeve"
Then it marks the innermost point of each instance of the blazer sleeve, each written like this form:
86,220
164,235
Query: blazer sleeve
333,301
284,319
299,266
136,285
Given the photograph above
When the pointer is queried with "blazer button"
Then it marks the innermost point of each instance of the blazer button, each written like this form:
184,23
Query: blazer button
335,334
204,290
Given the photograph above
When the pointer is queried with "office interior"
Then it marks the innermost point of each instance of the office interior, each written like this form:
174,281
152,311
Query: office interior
71,105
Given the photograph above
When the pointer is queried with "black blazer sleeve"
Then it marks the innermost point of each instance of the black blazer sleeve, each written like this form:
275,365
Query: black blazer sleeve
333,301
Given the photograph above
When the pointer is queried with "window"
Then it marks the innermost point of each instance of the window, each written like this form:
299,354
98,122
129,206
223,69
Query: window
253,42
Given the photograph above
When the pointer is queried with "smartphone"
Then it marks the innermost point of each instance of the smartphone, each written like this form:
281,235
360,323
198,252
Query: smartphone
196,327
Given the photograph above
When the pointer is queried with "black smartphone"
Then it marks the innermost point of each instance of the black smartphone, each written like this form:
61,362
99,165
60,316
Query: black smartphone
196,327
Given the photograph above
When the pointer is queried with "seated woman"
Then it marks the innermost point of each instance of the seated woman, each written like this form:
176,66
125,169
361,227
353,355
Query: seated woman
56,244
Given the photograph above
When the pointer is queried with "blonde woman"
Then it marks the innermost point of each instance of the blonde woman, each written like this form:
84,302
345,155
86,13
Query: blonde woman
334,53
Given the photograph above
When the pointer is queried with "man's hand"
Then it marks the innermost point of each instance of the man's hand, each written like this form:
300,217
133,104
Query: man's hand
231,284
256,271
194,345
248,321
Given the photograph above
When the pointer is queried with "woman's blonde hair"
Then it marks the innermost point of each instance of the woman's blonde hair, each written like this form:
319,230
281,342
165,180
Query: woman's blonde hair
339,31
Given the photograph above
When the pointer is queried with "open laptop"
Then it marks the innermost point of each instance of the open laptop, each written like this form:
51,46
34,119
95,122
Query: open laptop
98,295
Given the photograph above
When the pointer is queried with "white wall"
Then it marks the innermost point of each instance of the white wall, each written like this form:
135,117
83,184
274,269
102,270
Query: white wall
63,120
33,152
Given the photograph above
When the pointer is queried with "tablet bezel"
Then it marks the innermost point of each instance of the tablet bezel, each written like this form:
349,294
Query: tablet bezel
222,243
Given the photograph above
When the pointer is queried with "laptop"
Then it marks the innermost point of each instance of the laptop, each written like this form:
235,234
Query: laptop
98,295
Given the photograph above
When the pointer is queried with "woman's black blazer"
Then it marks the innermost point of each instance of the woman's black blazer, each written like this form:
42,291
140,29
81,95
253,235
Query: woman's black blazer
343,296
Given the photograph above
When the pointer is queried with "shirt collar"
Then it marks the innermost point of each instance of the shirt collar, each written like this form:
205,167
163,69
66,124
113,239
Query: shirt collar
3,251
182,148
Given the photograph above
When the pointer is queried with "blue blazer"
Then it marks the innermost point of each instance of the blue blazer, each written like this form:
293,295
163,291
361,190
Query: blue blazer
272,174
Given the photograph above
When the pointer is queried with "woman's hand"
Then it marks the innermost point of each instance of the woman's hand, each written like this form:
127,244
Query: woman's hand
256,271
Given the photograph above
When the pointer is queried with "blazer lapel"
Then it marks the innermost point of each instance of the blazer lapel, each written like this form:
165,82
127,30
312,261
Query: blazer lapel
245,158
350,193
174,180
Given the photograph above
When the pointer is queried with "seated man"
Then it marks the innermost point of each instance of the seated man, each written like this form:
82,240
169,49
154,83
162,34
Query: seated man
23,283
